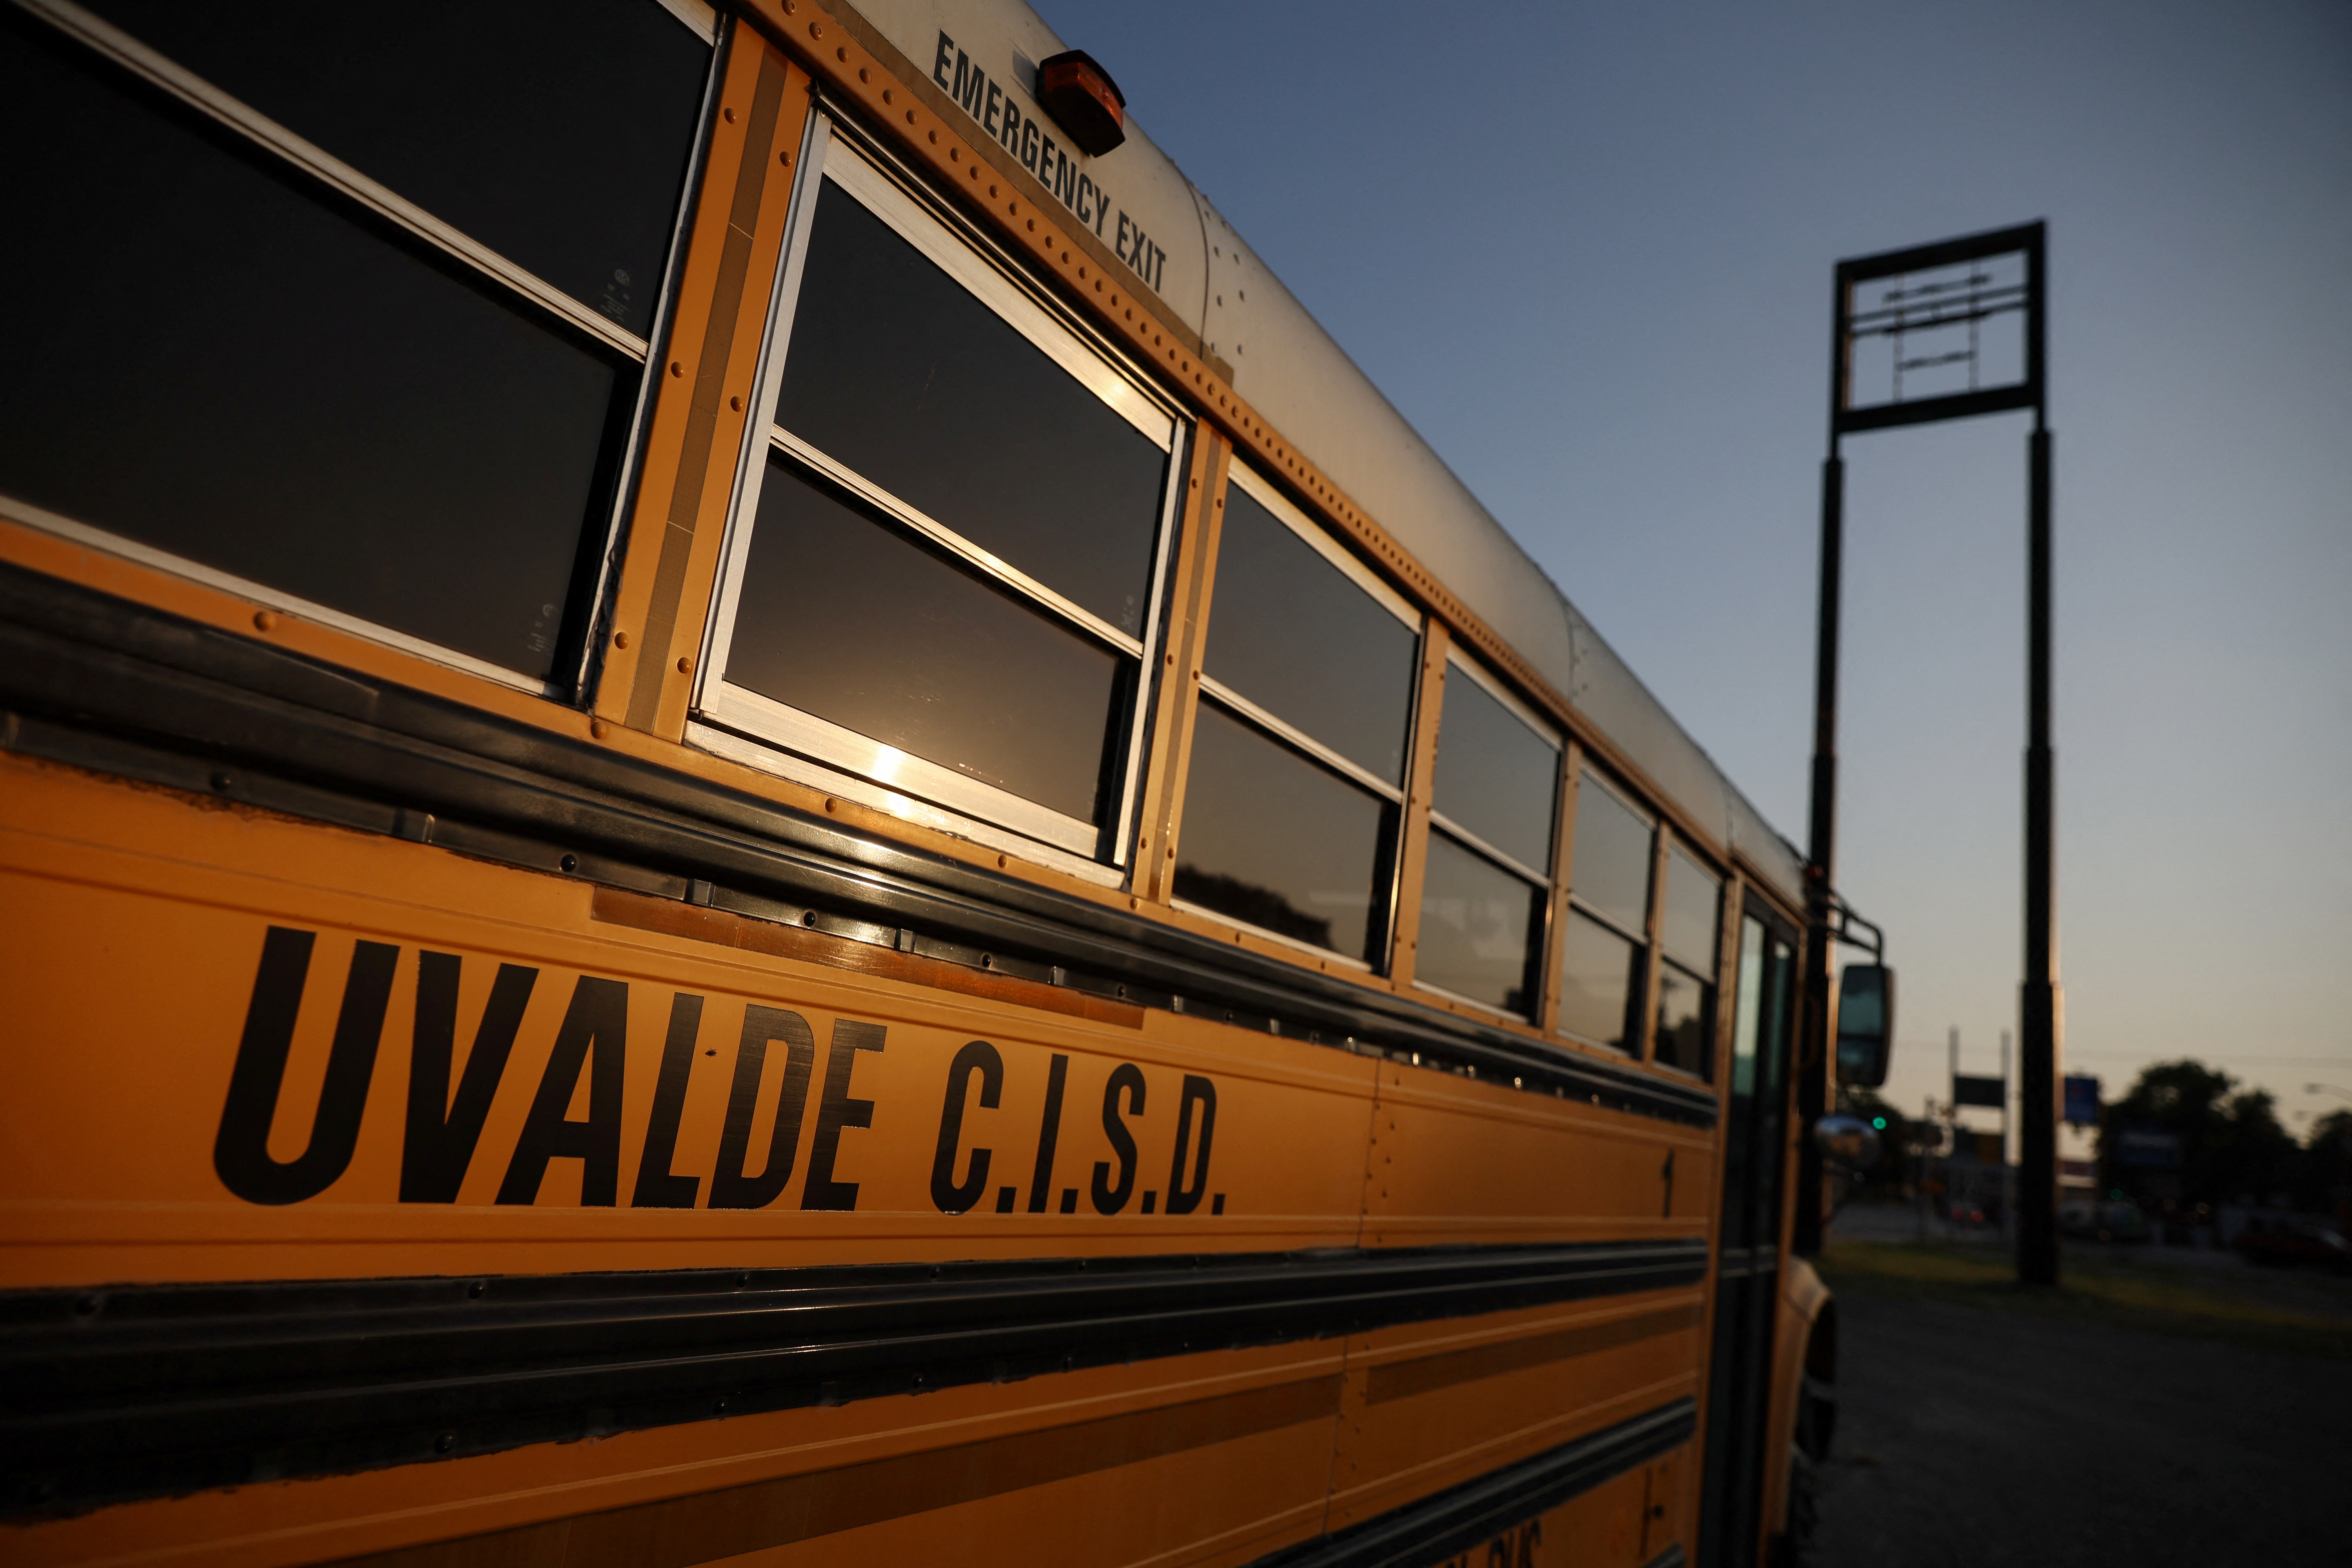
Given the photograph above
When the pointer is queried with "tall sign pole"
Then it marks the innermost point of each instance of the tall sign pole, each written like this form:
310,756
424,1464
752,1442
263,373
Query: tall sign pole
1963,322
2042,1022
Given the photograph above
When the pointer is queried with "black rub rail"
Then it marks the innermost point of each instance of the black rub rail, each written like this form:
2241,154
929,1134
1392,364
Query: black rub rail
135,1391
1466,1517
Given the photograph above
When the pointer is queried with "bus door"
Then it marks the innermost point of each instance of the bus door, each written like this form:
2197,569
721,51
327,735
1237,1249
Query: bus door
1748,1277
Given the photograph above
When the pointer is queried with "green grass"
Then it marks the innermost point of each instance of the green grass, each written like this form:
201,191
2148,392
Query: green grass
2112,1295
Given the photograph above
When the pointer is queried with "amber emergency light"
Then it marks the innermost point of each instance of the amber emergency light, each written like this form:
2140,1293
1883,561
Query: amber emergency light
1083,99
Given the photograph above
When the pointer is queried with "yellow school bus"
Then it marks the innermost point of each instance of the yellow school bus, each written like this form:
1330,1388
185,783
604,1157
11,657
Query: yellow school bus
748,812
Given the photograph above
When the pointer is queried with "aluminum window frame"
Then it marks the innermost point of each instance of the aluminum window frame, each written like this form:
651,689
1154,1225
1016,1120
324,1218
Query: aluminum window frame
332,181
791,743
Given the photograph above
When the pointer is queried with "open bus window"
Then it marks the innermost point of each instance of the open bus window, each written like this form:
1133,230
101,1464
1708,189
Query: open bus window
554,132
942,578
1687,939
1606,943
1298,751
233,368
1493,809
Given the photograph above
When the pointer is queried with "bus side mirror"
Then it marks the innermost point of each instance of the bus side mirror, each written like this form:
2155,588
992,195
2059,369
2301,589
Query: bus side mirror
1865,1024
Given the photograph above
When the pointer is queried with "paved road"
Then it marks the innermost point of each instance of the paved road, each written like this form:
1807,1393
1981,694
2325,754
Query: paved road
1983,1437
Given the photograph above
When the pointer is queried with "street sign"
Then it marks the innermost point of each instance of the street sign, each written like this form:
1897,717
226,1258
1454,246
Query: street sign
2147,1149
2082,1100
1991,1092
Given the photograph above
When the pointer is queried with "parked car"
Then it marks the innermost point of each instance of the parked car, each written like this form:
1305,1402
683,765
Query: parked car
2309,1242
2104,1221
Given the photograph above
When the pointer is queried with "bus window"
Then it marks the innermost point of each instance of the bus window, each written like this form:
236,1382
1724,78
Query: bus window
1271,839
1291,810
1296,634
1687,939
1606,947
942,572
554,132
1492,814
245,375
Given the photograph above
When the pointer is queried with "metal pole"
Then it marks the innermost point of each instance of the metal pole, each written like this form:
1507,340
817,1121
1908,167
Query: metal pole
1812,1078
2041,1028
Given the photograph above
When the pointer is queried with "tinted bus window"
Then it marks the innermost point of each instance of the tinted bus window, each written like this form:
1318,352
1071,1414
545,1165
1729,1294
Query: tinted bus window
863,627
222,367
1495,775
1686,935
1606,948
1476,924
1280,842
1293,634
940,578
1487,876
1327,664
1601,977
1611,873
898,372
556,132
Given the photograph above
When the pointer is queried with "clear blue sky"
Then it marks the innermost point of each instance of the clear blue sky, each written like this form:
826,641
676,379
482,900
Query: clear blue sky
1587,251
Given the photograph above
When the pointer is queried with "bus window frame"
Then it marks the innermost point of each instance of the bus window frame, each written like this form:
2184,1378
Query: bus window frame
761,733
1550,734
1294,517
329,180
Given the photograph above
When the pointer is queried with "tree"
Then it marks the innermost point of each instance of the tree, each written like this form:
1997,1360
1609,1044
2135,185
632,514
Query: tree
2326,1166
2231,1145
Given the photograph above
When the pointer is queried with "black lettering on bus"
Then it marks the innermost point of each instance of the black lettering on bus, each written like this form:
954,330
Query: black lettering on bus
442,1134
1049,1132
947,1194
996,103
659,1187
1121,246
1159,269
1109,1199
1011,134
1053,168
939,61
1141,248
1086,199
598,1022
731,1185
971,83
1184,1197
1030,141
241,1149
837,1110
